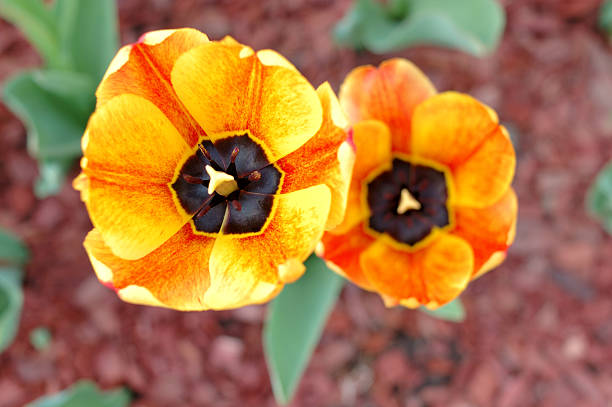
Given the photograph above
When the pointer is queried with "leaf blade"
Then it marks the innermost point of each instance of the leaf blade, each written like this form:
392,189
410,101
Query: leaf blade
84,393
599,198
12,250
11,303
295,323
473,26
36,21
88,33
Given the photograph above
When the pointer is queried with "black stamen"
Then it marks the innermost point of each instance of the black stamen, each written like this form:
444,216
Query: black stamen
205,152
192,180
234,154
205,207
203,212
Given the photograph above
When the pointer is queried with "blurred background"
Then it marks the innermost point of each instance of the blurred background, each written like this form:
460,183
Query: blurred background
538,330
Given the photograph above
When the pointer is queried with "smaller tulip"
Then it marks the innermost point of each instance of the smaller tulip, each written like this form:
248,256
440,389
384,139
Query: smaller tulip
430,205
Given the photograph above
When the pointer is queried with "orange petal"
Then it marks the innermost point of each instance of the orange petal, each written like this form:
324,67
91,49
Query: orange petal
431,276
343,252
131,154
175,275
389,94
144,69
372,142
486,175
227,89
488,230
327,158
247,270
464,135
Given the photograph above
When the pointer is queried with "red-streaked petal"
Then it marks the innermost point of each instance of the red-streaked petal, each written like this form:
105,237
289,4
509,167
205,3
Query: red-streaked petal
327,158
175,275
144,69
488,230
388,93
343,252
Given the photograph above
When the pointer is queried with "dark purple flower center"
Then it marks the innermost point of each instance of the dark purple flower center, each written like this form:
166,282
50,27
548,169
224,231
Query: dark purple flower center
247,206
408,201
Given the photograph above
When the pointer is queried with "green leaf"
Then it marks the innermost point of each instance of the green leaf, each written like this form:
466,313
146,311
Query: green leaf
473,26
55,121
51,176
88,32
605,17
599,198
12,250
37,22
11,302
40,338
77,89
351,29
294,325
84,393
453,311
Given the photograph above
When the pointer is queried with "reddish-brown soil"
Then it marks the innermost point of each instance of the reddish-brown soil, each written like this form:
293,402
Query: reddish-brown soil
539,329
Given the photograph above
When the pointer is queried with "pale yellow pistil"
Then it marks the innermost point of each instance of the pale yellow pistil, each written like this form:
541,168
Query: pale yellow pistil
220,182
407,202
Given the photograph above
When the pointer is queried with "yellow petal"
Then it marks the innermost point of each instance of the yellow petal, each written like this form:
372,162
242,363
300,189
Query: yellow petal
246,270
464,135
439,272
226,92
132,154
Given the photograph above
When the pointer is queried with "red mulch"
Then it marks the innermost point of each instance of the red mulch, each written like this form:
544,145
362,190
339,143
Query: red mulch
539,329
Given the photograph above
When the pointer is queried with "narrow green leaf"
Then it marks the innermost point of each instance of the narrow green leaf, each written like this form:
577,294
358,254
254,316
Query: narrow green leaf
599,198
12,250
453,311
36,21
84,393
11,302
294,325
88,31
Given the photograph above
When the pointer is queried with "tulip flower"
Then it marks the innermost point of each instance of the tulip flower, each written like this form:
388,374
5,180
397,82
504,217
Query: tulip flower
430,205
210,172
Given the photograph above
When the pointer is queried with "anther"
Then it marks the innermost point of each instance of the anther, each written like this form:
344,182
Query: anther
237,205
254,176
205,152
234,154
192,180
